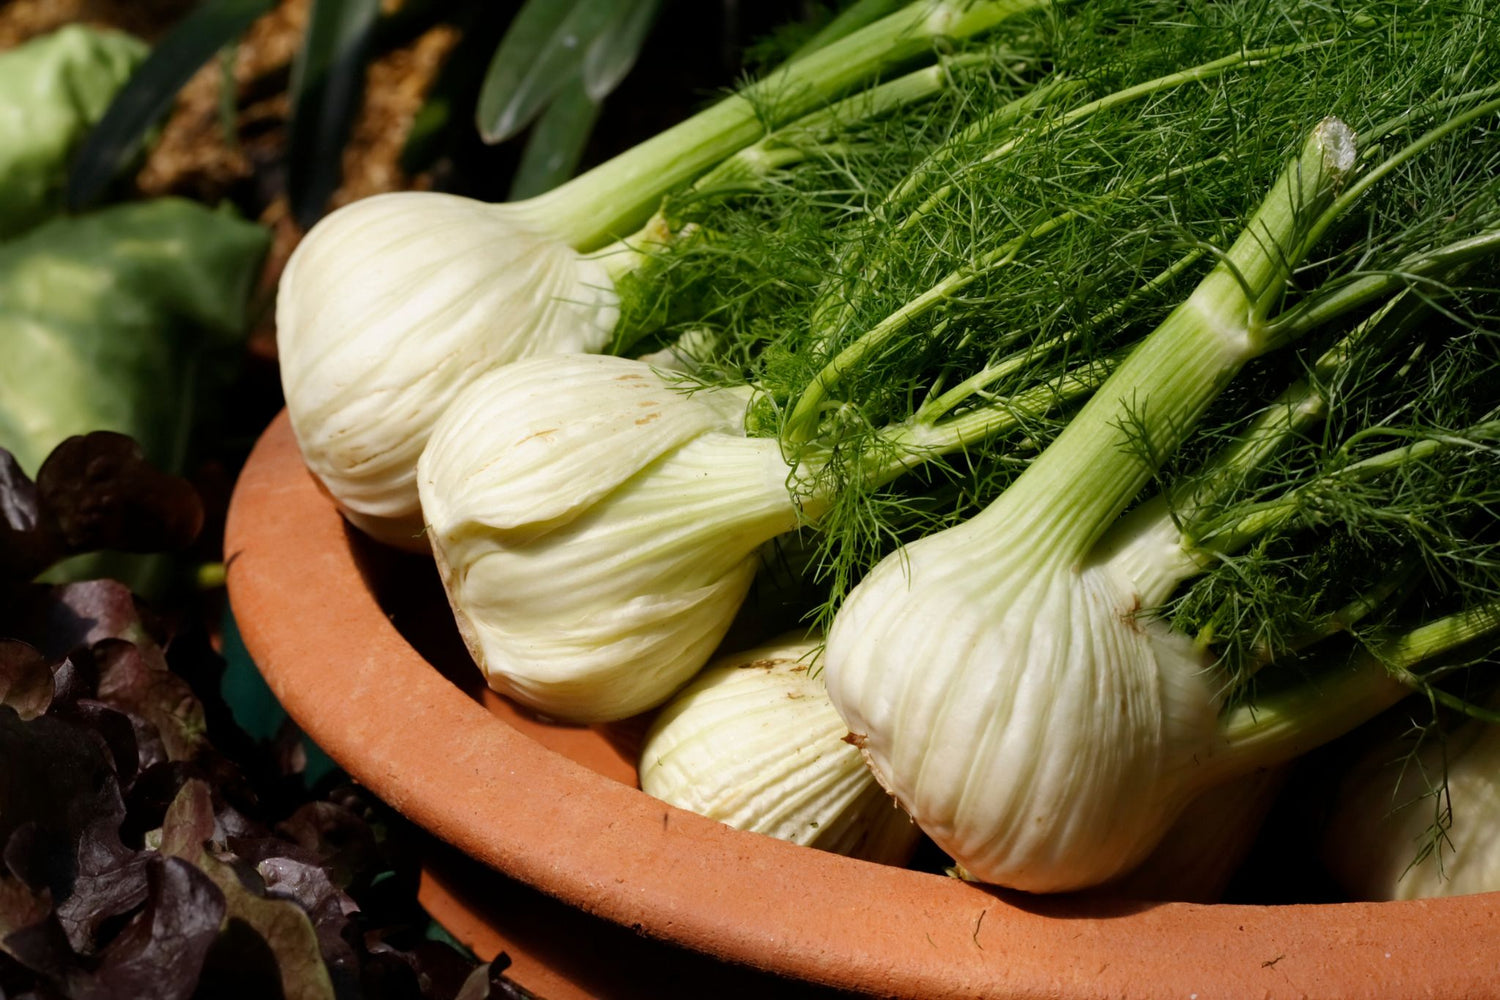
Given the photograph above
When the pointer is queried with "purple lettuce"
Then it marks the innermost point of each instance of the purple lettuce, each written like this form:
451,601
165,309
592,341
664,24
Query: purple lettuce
148,848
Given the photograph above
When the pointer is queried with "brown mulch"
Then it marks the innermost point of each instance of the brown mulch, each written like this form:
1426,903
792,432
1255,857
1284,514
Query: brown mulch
23,19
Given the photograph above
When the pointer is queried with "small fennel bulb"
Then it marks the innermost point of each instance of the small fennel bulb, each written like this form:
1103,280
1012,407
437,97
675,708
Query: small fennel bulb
1383,841
753,742
597,528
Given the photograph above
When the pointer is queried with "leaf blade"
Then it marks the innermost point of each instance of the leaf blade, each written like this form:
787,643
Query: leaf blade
615,51
541,52
556,142
150,91
327,87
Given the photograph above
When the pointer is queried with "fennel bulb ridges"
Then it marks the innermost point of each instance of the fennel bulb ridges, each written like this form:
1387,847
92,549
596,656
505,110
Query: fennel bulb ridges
597,543
753,742
386,315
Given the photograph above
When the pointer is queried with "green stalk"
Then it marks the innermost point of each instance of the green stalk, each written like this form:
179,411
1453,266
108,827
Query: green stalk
1164,541
903,446
793,143
1429,268
899,448
854,17
1342,620
1154,545
615,197
1293,412
1102,459
1280,726
1402,156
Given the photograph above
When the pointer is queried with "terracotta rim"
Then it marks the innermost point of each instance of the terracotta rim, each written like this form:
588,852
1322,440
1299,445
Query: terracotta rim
386,715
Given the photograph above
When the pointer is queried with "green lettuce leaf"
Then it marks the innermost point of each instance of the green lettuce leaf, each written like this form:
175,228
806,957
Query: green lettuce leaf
116,320
52,90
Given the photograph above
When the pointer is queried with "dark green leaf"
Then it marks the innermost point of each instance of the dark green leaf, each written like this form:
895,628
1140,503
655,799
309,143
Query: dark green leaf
543,50
428,128
556,142
453,94
328,80
151,90
228,110
615,51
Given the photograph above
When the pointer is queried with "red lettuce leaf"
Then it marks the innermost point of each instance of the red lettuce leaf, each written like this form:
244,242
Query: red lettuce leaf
101,493
159,954
94,492
148,846
25,679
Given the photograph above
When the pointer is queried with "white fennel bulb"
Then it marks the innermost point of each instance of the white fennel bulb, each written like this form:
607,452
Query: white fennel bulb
996,674
1384,842
597,528
1040,736
390,307
754,743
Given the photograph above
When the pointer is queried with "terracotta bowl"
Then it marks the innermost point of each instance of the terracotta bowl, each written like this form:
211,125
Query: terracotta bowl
378,679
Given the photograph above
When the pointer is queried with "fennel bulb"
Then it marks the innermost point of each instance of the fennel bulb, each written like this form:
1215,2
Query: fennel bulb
392,305
754,743
994,674
1421,826
597,528
1009,702
998,674
395,306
